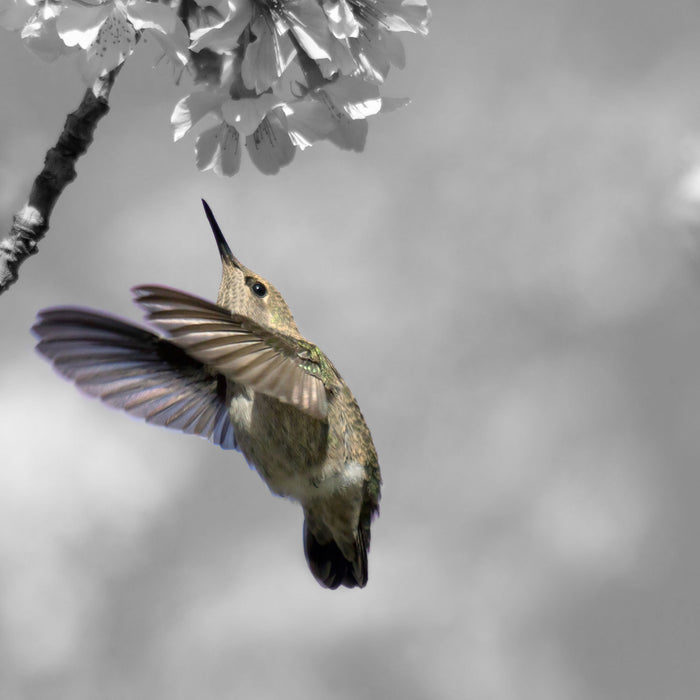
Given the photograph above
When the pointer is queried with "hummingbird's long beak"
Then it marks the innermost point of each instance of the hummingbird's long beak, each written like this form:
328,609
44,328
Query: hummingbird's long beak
224,251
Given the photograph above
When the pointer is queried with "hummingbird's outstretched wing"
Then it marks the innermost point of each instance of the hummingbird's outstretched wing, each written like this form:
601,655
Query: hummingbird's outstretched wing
133,369
242,350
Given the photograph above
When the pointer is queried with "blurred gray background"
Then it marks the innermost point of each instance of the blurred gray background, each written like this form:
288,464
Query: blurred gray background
508,278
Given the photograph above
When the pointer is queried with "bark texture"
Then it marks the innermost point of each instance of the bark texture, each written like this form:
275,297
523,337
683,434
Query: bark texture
30,224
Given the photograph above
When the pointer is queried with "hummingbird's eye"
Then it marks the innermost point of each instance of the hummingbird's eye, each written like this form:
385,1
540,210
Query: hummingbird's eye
259,289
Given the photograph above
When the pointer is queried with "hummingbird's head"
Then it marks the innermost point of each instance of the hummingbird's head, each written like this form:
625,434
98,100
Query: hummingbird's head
244,292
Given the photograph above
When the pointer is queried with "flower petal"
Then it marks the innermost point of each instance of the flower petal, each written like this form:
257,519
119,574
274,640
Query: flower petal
151,15
218,149
376,50
341,20
341,60
310,26
41,38
223,36
14,14
246,113
189,110
115,41
221,6
80,24
391,104
267,57
270,147
398,15
349,134
353,95
416,14
175,44
308,121
206,147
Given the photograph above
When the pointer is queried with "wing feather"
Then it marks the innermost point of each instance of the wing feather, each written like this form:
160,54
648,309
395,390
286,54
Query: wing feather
132,369
243,351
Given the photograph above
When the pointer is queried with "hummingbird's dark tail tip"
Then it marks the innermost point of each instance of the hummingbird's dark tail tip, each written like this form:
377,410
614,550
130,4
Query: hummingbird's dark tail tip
330,567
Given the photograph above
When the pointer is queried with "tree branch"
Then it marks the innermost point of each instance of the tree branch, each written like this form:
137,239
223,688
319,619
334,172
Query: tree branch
30,224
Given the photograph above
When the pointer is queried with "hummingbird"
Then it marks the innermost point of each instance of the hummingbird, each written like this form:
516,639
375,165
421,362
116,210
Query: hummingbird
240,374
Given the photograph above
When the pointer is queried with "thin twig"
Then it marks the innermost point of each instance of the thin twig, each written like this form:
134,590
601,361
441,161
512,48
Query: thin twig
30,224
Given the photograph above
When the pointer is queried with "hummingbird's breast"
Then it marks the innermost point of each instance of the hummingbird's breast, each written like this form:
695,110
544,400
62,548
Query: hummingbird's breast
288,448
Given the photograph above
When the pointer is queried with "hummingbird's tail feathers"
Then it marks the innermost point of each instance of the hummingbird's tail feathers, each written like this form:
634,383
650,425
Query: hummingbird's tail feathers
135,370
330,567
